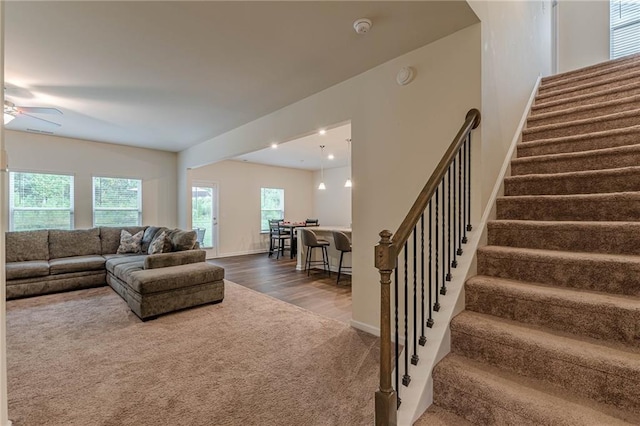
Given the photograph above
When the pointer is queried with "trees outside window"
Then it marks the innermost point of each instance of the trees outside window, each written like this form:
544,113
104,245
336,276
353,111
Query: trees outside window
271,206
117,201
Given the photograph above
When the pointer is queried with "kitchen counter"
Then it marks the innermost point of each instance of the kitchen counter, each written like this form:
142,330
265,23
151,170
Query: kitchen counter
325,231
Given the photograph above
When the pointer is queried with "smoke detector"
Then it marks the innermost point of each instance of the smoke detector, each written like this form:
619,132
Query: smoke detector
362,25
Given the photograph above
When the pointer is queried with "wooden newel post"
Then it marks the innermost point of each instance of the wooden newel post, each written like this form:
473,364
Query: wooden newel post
386,398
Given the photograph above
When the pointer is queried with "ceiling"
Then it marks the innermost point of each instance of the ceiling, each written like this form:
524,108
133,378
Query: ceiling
168,75
305,153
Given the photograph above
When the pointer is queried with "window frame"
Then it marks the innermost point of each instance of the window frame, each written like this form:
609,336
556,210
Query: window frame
12,209
93,200
632,20
262,210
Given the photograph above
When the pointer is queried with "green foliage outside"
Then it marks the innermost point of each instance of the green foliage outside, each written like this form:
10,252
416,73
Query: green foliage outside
40,201
271,206
116,201
201,212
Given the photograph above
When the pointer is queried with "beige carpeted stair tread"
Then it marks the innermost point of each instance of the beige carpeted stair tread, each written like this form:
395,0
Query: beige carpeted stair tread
625,179
581,142
436,416
612,319
603,73
582,236
596,159
608,273
590,98
585,125
588,86
591,68
486,395
596,371
619,206
584,111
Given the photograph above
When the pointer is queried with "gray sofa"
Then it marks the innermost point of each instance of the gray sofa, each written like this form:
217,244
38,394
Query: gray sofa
49,261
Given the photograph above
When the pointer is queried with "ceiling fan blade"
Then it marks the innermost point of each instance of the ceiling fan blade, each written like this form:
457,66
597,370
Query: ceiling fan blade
39,110
41,119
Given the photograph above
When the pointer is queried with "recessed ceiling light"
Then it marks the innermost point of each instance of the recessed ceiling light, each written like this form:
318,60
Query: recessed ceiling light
322,132
274,145
330,157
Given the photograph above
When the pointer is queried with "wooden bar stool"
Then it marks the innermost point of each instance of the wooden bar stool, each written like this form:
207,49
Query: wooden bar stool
342,243
311,241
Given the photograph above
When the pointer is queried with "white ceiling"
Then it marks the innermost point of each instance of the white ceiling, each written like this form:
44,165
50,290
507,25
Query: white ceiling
305,152
169,75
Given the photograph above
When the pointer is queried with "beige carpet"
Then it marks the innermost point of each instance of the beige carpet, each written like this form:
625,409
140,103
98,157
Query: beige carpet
82,358
551,331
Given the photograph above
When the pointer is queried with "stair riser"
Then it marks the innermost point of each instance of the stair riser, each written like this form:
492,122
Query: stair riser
622,391
582,209
595,78
608,277
574,185
597,239
546,107
464,402
588,88
603,322
582,144
589,70
538,133
535,121
600,161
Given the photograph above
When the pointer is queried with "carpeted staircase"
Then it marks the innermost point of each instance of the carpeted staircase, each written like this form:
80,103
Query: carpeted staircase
551,334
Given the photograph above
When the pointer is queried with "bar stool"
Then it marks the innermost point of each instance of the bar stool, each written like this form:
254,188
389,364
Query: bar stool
342,243
277,238
311,241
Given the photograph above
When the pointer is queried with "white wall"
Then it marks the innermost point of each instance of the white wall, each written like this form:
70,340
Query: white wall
239,201
583,33
333,205
516,49
84,159
399,134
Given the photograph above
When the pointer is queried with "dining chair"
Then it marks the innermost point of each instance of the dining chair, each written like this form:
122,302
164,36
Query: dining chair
278,238
343,244
311,222
311,241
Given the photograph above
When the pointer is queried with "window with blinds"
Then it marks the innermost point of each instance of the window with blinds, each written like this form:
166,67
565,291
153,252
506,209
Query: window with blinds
625,27
117,202
40,201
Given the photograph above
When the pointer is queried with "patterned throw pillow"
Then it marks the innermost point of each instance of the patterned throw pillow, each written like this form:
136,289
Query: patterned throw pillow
130,243
160,244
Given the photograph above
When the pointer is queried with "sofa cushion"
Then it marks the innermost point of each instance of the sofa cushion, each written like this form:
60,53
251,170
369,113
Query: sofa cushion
66,265
173,277
124,270
130,243
77,242
110,237
182,240
160,244
22,246
163,260
122,259
28,269
150,235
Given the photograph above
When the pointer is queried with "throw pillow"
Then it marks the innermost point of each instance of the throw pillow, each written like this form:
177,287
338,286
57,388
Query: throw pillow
182,240
130,243
160,244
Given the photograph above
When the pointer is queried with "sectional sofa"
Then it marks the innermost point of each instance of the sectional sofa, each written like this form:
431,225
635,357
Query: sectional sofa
49,261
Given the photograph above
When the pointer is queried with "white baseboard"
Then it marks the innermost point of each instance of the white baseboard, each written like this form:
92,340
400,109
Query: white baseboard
365,327
240,253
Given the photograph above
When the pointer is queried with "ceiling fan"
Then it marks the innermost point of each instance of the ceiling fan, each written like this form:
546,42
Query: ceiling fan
12,111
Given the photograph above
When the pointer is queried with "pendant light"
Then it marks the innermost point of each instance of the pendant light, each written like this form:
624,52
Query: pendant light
348,183
322,187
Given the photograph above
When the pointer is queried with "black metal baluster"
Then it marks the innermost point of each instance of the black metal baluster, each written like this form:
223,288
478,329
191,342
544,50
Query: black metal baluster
469,227
466,193
436,306
454,263
406,379
430,320
460,197
395,284
445,249
449,247
414,357
423,339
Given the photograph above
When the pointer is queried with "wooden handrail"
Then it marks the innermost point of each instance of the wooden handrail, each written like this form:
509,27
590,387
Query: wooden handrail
472,121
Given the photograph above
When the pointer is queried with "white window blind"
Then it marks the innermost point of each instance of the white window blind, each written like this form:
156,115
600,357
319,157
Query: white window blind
271,206
625,27
40,201
117,202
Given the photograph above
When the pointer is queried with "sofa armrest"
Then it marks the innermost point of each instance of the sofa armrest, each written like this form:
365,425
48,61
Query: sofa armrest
163,260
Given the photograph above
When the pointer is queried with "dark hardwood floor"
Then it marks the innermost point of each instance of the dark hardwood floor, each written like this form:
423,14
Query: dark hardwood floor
279,278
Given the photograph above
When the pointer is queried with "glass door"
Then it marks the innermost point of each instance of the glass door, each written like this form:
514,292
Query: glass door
204,215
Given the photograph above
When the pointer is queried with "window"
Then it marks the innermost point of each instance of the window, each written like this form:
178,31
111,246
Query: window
625,27
117,202
271,206
202,213
40,201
